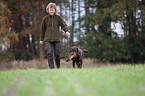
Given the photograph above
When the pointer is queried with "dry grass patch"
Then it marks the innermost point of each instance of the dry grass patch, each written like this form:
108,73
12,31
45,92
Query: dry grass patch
43,64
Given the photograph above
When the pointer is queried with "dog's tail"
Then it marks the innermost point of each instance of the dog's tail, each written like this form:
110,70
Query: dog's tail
85,51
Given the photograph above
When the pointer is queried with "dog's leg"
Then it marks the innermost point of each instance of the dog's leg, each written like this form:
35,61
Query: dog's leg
79,64
73,64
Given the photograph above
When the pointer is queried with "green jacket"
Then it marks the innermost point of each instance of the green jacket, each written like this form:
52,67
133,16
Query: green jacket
49,29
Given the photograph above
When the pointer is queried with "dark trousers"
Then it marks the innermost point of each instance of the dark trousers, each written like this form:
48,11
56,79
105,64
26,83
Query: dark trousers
49,46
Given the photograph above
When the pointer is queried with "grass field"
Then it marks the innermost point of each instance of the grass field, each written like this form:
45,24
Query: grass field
121,80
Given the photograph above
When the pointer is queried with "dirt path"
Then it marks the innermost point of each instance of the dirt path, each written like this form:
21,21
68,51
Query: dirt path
48,90
79,88
11,91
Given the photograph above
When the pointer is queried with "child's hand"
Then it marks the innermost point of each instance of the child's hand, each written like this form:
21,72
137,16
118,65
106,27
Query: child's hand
41,42
67,33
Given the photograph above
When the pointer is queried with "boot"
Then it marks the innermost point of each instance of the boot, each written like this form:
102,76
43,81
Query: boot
57,61
50,62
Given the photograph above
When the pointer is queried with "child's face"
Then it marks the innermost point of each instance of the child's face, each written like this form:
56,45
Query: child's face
51,11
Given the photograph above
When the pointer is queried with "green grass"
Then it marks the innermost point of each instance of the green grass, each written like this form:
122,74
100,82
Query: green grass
124,80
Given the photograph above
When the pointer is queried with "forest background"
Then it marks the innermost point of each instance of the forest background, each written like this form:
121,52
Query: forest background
92,24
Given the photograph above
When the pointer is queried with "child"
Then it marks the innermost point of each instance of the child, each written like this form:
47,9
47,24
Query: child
49,33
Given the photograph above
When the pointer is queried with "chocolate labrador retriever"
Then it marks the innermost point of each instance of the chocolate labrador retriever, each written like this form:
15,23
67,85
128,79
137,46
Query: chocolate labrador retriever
76,55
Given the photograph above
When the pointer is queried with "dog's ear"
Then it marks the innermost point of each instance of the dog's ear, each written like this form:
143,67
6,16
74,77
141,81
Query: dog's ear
85,51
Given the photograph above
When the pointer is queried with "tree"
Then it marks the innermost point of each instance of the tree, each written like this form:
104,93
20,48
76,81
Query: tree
26,17
130,13
7,36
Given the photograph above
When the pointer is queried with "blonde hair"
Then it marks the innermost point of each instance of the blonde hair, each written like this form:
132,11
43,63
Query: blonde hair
50,5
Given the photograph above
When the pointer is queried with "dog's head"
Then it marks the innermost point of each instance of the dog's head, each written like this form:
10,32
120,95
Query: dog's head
73,53
74,49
